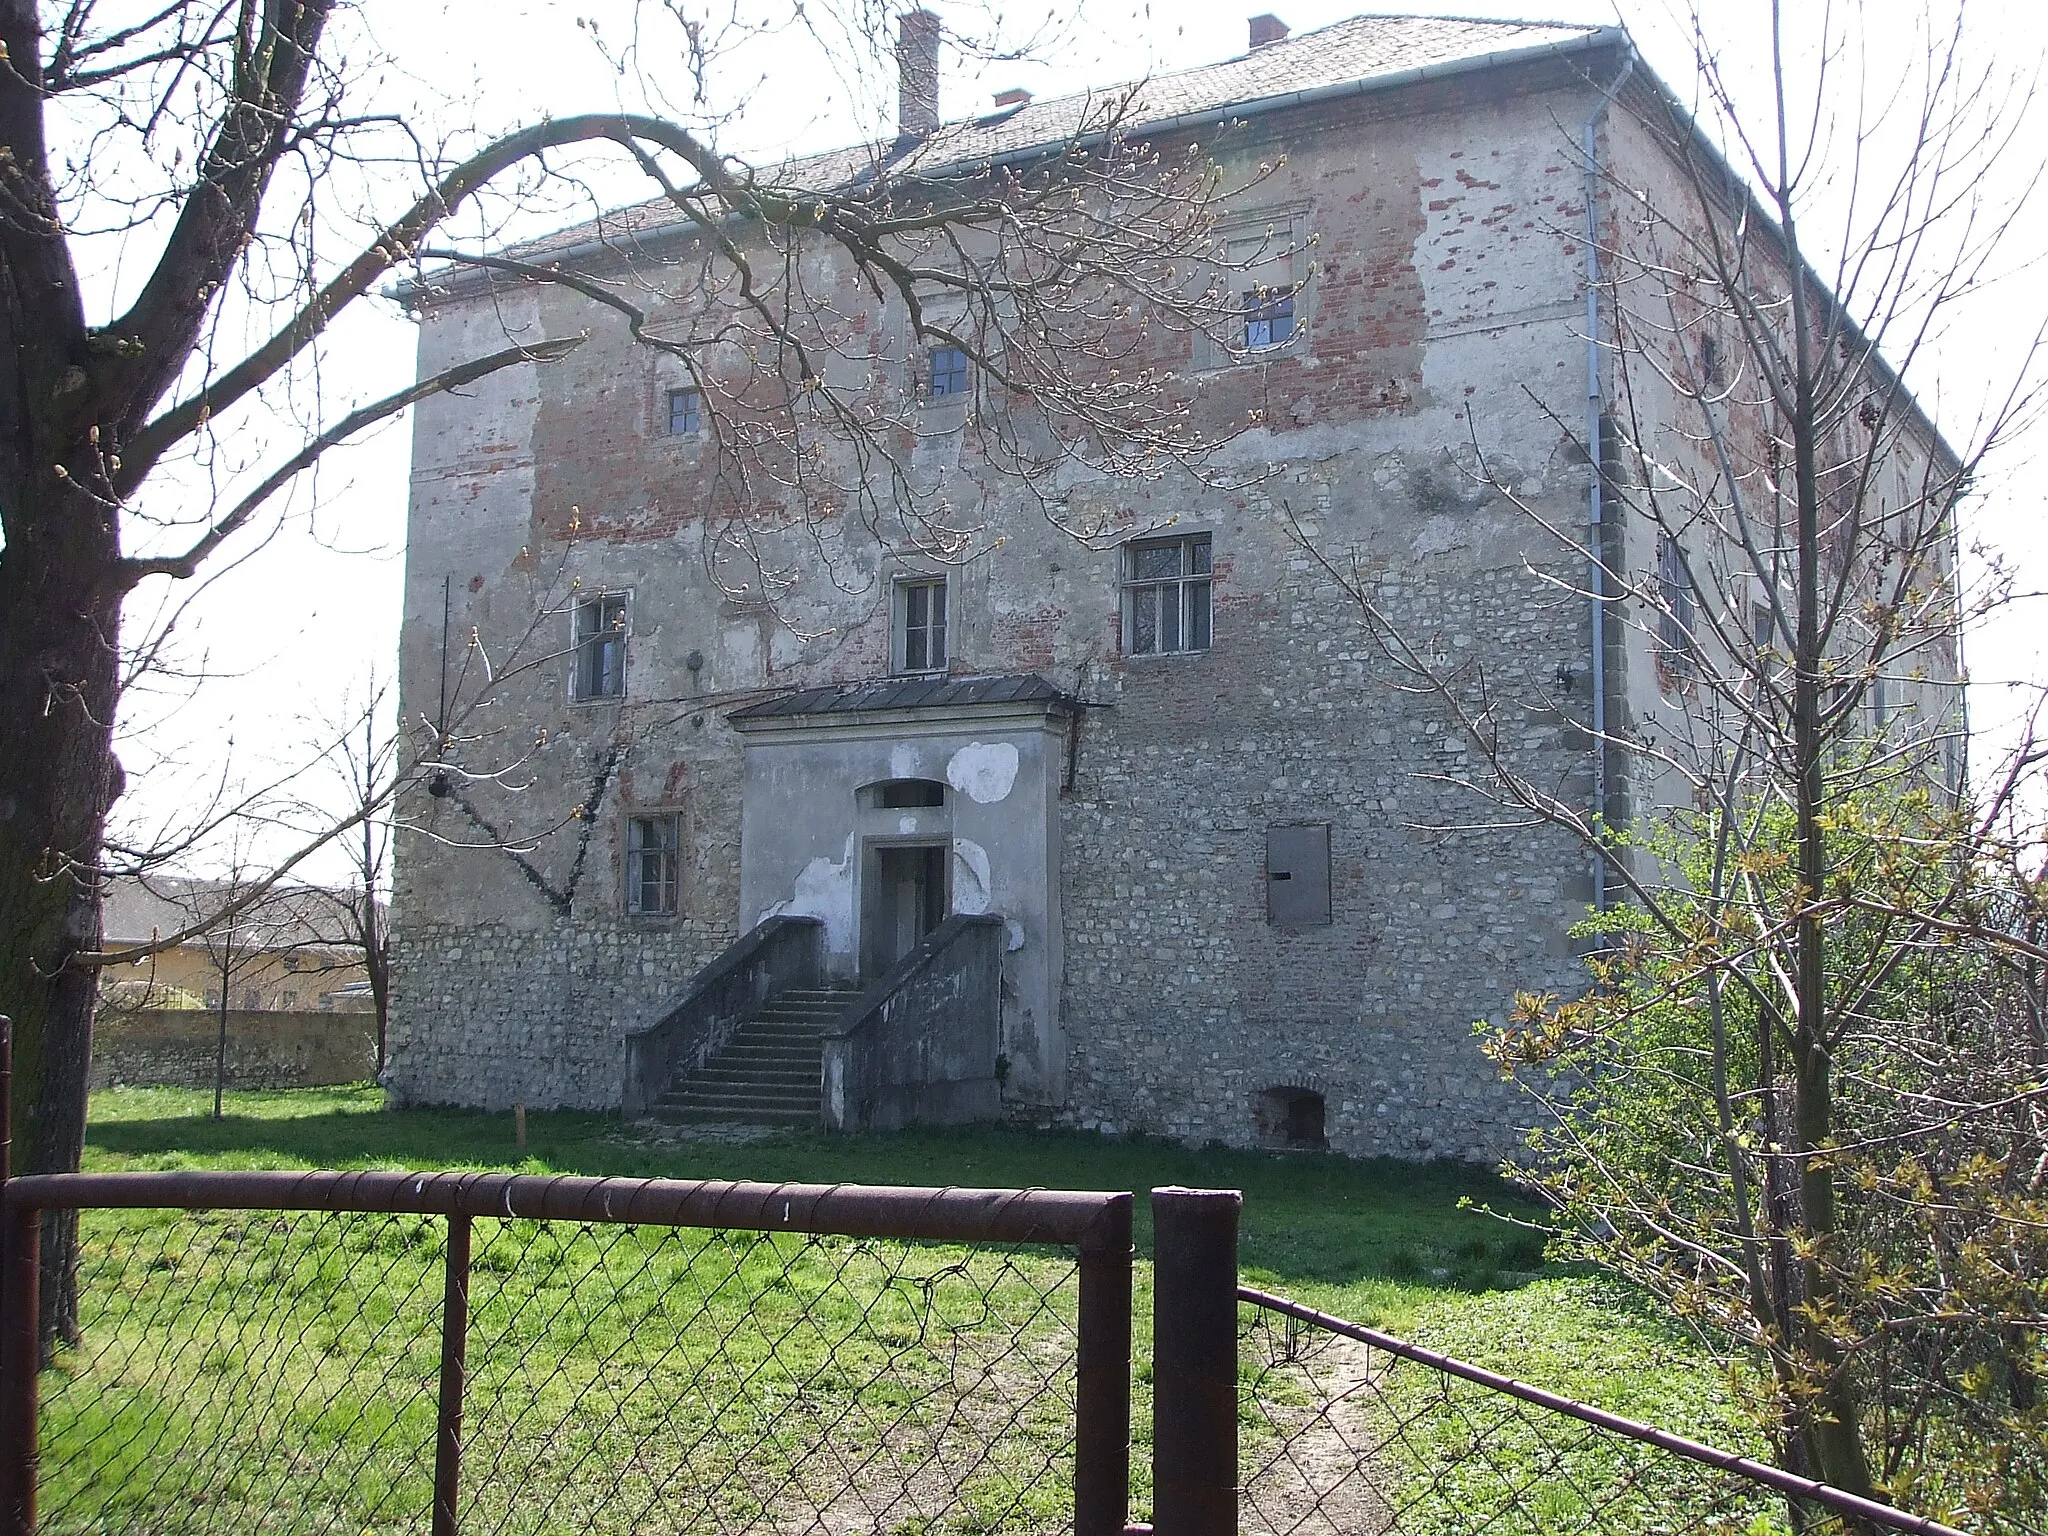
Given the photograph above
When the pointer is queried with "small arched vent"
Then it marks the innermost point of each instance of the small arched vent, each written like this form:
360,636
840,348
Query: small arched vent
908,794
1290,1118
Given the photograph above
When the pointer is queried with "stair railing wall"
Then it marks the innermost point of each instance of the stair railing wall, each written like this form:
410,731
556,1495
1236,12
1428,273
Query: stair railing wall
919,1047
779,953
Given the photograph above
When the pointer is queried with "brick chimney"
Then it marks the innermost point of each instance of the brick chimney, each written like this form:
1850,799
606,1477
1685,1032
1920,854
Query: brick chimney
917,74
1015,96
1268,29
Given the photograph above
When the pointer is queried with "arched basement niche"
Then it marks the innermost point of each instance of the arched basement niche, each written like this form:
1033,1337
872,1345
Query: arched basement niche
1290,1118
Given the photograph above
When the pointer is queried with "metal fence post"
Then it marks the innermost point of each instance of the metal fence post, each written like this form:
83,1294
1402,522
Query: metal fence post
1194,1361
454,1340
20,1348
1102,1385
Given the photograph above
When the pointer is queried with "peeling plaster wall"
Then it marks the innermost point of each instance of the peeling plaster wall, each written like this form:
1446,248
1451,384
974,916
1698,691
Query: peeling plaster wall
803,834
1144,988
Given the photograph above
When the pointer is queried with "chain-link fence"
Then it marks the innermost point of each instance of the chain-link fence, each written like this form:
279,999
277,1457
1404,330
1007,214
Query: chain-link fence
295,1354
1346,1429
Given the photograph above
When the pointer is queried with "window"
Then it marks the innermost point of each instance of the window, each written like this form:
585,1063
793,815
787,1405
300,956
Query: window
1166,595
1711,372
1268,317
910,794
651,866
1298,876
921,626
685,412
601,647
1674,618
1264,280
947,373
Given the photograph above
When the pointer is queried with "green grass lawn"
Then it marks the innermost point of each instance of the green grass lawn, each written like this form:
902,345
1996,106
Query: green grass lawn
256,1372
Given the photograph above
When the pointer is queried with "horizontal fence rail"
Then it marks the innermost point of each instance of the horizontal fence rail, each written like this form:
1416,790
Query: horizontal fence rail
484,1352
1349,1443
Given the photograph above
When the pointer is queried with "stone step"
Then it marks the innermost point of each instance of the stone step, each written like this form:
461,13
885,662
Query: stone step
737,1106
676,1115
740,1110
717,1078
767,1055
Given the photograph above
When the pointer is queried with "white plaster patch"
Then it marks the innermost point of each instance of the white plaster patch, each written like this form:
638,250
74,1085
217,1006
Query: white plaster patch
983,771
904,761
1013,935
970,876
907,825
825,891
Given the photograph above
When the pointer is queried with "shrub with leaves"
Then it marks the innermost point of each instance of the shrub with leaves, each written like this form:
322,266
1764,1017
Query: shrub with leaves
1867,1245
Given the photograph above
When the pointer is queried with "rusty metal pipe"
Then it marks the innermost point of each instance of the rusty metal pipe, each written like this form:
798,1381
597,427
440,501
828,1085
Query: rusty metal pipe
454,1354
1102,1387
1067,1217
21,1229
1194,1361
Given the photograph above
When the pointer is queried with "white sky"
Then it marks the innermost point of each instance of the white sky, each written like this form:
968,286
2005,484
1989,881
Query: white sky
294,633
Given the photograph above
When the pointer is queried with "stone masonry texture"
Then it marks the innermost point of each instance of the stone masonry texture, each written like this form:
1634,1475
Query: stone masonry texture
1408,451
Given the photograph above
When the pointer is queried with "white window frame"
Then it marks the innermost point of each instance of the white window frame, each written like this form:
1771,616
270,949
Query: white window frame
1190,591
667,880
695,415
585,642
929,389
901,601
1244,291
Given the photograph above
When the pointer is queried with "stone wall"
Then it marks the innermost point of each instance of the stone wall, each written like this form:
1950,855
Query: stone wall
1440,359
267,1048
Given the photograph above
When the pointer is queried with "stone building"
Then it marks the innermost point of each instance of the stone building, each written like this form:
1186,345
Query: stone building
1231,887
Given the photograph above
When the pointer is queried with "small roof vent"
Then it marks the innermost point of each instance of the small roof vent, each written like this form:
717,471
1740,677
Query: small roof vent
1016,96
1267,29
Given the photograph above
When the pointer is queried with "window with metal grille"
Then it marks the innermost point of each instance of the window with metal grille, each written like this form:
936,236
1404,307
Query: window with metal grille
1166,595
921,626
947,372
685,412
1268,316
651,866
1674,601
601,647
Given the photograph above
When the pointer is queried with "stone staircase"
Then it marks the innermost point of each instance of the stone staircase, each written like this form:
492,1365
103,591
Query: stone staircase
768,1072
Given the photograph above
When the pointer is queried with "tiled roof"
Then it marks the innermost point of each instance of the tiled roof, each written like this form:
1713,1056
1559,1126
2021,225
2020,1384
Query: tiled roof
284,917
1366,50
908,693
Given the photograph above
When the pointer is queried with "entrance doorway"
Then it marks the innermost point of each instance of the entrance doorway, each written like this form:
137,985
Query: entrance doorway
903,899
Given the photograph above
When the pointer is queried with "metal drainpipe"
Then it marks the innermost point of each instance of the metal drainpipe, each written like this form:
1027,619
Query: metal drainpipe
1596,508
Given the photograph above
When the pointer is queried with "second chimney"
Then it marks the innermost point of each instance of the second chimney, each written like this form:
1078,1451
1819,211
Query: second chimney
917,74
1268,29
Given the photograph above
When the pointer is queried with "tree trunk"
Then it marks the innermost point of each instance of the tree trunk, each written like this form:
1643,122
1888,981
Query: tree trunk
59,679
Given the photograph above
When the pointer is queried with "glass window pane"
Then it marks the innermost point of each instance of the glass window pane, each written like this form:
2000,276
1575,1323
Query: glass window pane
936,643
1169,618
1198,555
1144,621
1149,562
1198,615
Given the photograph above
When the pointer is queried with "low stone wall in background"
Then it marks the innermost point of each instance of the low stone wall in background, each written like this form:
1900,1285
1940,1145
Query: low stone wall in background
267,1048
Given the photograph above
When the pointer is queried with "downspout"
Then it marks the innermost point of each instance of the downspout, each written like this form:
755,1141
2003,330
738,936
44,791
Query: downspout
1596,510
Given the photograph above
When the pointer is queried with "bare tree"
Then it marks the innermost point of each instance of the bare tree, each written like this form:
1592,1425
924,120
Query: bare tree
205,146
1799,1091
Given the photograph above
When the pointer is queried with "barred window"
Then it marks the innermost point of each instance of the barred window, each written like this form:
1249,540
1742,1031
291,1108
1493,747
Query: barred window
600,647
651,866
1166,595
920,626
